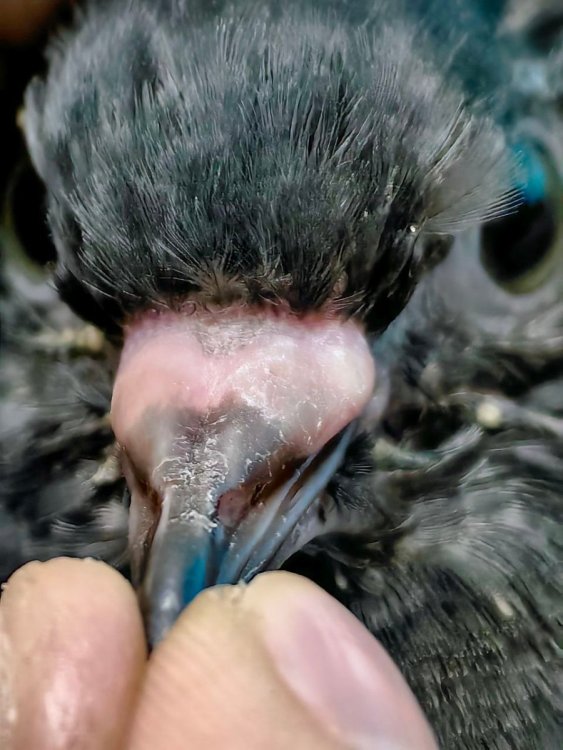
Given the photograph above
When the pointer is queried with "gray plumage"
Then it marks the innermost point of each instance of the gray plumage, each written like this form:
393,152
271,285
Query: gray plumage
342,155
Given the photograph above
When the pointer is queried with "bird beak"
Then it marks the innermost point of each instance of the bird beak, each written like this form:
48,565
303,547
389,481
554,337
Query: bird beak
187,554
229,445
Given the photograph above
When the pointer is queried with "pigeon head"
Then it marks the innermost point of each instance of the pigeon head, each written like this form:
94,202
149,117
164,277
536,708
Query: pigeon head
324,244
278,216
248,202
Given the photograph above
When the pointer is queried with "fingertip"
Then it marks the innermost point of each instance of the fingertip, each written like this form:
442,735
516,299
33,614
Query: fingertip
62,575
334,665
211,684
276,663
73,655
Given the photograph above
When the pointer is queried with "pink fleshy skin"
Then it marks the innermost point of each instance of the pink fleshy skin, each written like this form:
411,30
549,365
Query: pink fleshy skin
309,375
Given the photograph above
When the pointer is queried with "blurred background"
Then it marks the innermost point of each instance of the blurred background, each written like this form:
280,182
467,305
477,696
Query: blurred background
47,354
24,26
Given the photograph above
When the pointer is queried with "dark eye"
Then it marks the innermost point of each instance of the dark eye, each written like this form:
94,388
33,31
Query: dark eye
521,250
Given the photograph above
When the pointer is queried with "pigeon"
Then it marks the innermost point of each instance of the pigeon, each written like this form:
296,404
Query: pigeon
306,313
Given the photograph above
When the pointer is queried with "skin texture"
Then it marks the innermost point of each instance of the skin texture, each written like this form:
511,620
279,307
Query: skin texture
275,664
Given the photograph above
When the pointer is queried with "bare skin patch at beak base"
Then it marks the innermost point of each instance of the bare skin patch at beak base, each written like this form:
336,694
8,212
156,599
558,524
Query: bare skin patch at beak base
310,375
219,416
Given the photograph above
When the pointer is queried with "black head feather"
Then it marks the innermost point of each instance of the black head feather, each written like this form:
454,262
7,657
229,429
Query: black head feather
268,154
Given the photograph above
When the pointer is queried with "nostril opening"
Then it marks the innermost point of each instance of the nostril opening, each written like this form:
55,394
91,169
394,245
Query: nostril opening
149,536
235,504
138,480
145,510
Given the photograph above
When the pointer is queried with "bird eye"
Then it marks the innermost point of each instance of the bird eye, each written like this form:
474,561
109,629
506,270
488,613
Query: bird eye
521,250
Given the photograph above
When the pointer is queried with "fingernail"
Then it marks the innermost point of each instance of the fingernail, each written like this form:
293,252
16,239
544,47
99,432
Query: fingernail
341,673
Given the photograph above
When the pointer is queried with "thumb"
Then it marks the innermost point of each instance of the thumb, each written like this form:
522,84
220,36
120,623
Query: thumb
276,664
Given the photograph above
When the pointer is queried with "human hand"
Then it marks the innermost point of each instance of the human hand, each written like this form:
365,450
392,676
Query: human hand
274,664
